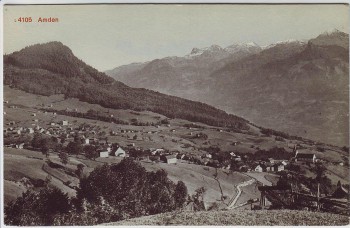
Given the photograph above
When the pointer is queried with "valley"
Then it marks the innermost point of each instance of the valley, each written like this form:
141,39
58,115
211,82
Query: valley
298,87
179,137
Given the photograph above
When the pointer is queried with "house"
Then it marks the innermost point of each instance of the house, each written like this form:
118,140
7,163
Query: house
305,157
30,130
33,114
104,154
208,156
237,158
119,152
86,141
52,124
271,160
157,151
284,163
64,122
259,168
170,159
20,146
278,167
232,154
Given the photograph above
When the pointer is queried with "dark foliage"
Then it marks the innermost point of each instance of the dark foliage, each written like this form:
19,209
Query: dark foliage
37,208
131,191
280,135
109,193
276,153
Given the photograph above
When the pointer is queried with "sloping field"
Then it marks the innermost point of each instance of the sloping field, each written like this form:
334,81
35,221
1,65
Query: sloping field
13,190
19,164
239,218
196,176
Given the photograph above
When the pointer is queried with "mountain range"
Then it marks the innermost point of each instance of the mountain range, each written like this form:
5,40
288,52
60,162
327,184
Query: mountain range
300,87
52,68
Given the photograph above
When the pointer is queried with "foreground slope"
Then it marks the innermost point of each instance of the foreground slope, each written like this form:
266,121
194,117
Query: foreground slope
239,218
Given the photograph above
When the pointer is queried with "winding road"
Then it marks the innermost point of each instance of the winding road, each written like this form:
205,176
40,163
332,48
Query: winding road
238,190
260,177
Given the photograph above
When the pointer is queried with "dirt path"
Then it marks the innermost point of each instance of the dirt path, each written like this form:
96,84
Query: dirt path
238,190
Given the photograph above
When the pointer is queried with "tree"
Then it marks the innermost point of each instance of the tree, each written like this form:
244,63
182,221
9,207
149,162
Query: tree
48,180
79,170
180,194
37,208
64,158
130,189
197,199
36,141
90,152
74,148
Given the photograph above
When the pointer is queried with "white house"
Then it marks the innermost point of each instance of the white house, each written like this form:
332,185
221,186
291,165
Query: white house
284,163
120,152
87,141
104,154
20,146
258,168
30,130
171,159
64,122
208,156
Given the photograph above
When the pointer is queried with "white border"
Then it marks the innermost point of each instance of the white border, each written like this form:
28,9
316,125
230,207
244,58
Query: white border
61,2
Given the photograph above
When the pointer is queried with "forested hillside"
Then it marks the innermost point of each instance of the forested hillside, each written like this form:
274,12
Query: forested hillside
52,68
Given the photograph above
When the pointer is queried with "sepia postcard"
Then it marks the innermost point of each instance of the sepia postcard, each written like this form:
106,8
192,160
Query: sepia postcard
175,114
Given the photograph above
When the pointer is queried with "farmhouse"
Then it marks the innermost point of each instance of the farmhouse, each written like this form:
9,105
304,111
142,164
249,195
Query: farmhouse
64,122
305,157
30,130
278,167
20,146
119,152
86,141
259,168
104,154
170,159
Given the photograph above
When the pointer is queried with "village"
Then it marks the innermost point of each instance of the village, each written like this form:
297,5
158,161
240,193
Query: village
71,134
64,132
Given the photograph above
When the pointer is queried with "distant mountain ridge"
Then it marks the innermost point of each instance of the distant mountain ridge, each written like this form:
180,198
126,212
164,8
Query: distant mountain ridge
296,86
52,68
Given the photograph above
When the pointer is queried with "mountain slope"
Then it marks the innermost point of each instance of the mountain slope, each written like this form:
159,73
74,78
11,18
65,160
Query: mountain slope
303,93
52,68
293,86
179,76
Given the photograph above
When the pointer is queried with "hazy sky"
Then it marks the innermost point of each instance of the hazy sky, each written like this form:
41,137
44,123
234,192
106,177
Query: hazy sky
106,36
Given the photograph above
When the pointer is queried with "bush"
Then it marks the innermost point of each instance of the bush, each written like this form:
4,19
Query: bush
37,208
131,191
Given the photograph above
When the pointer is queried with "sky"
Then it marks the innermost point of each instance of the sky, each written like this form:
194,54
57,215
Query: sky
107,36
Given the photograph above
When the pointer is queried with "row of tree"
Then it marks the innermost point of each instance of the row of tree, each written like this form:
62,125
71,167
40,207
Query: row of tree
110,193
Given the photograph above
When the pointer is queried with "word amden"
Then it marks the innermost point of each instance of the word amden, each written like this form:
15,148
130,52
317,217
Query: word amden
47,19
